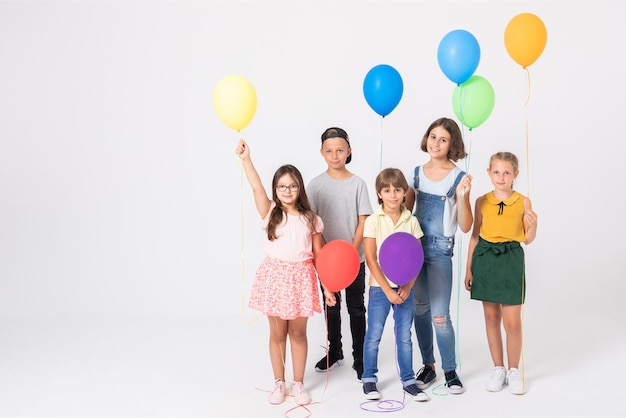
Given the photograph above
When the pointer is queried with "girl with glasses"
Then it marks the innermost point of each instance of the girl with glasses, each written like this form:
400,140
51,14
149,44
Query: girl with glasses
285,284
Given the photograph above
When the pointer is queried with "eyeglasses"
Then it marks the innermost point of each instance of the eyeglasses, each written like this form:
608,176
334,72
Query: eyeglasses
283,188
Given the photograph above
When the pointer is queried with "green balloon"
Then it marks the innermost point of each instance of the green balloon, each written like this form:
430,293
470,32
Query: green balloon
473,101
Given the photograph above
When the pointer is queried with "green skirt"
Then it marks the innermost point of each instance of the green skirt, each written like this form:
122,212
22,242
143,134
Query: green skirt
498,272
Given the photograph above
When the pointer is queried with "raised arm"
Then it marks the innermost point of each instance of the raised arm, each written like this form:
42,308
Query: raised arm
262,202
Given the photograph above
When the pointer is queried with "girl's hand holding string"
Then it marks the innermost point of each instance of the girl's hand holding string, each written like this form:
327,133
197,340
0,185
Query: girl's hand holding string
242,150
465,185
530,219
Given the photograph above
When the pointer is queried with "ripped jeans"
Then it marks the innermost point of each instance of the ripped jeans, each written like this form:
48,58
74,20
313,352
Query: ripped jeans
432,291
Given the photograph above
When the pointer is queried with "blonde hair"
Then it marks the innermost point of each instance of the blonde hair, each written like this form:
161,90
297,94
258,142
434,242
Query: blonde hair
505,156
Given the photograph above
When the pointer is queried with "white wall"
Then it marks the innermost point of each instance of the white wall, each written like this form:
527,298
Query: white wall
120,192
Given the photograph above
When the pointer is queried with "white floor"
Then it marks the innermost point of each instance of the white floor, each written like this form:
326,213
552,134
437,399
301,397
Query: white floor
215,366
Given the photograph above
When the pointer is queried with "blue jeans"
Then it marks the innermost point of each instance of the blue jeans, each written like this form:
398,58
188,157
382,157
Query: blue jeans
432,291
377,311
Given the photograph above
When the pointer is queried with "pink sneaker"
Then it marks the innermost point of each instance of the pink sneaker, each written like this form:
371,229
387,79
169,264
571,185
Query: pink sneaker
300,394
278,394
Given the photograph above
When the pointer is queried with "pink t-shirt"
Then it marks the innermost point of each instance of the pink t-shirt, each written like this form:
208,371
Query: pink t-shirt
294,242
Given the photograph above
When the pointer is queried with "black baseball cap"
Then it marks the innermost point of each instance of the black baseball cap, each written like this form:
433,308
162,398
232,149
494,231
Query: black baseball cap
335,132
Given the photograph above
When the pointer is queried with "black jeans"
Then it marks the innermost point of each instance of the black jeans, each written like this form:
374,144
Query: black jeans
355,302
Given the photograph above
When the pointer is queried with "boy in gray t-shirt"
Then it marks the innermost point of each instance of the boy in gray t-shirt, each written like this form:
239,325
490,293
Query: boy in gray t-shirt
341,199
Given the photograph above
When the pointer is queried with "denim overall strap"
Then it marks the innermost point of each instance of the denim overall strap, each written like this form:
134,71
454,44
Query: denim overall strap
452,190
416,177
430,207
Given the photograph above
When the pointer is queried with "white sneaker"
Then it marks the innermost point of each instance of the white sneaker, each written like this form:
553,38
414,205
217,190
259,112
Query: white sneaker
277,396
514,380
300,394
496,380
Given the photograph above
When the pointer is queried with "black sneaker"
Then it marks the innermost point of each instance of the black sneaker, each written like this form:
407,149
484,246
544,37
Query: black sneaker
425,377
358,368
329,362
416,393
454,383
370,391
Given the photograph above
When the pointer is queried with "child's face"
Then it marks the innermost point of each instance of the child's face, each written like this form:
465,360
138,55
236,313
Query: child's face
287,189
438,143
335,151
392,197
502,174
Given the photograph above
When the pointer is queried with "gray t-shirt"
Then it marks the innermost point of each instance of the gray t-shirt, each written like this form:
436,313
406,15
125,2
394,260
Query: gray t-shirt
339,203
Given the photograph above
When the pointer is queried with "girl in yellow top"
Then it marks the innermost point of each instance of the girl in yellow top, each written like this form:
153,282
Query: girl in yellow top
503,218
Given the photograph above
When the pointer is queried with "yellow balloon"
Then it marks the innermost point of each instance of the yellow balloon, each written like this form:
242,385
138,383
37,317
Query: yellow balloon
525,38
234,101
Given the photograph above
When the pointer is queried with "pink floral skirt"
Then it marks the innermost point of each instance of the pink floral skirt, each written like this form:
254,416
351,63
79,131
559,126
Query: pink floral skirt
285,289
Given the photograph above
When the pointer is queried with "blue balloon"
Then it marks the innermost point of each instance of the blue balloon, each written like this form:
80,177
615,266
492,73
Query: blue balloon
458,55
383,89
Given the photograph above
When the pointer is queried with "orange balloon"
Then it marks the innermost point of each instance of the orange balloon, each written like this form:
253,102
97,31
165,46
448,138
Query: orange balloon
525,38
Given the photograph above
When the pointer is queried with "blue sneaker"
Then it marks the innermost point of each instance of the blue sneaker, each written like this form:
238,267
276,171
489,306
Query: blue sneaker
453,383
416,393
370,391
425,377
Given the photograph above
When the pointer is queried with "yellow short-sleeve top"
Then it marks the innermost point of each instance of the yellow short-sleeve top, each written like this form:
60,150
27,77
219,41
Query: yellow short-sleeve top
502,220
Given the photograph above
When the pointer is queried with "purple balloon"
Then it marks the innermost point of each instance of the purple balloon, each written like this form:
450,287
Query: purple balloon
401,257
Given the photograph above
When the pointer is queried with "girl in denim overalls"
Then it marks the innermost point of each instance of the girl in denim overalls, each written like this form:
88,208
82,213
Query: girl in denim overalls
439,188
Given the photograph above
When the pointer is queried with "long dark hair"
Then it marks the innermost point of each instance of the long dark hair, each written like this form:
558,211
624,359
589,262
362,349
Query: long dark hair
302,202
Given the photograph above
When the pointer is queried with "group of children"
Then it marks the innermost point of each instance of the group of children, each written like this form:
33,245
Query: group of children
336,205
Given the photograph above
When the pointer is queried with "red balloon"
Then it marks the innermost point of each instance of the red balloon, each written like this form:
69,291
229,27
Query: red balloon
338,264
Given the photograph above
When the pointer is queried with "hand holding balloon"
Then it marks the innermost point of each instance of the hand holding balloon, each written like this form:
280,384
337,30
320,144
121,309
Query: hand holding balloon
464,186
329,297
393,296
242,150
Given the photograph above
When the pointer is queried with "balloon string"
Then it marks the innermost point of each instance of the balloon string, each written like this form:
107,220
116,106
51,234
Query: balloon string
327,347
241,251
458,291
380,163
461,100
460,259
527,161
241,248
528,85
522,323
528,194
527,154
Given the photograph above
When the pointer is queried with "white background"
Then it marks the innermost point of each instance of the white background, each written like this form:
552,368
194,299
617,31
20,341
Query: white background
128,241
